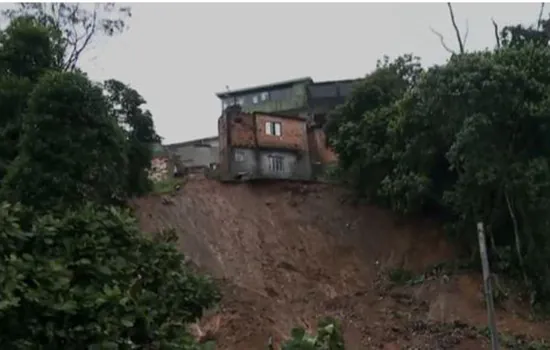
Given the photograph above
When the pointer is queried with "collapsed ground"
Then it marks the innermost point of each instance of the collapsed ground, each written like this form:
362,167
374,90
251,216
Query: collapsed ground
287,254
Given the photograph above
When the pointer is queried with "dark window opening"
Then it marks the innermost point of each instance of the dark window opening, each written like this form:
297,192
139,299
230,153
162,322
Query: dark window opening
276,163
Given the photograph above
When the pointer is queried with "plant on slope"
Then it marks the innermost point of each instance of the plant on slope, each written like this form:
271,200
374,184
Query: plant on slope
89,278
328,337
74,272
70,149
466,141
125,106
26,52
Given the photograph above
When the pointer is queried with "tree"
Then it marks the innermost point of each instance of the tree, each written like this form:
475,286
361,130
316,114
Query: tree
125,107
26,52
78,23
29,49
463,142
75,272
88,279
358,130
70,149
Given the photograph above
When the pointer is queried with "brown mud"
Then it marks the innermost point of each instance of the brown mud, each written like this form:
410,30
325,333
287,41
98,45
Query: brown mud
287,254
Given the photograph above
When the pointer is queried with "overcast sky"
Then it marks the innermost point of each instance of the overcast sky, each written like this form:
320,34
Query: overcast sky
179,55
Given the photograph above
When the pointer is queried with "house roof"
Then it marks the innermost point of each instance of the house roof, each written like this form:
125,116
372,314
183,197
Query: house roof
279,84
343,81
190,142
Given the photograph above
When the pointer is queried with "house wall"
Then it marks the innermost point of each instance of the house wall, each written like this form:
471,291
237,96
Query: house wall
323,153
293,133
247,135
223,147
241,130
325,96
197,154
281,99
244,162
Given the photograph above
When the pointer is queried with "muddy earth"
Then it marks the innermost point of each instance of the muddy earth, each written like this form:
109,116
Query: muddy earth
286,254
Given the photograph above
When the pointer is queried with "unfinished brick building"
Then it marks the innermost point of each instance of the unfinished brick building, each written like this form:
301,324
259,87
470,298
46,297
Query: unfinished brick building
276,130
263,145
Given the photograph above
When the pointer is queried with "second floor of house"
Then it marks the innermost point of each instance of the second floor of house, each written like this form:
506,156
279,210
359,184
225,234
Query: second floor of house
282,97
262,130
299,97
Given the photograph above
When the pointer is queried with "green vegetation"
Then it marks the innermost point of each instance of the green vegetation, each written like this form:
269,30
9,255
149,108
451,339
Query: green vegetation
75,271
167,185
463,142
329,337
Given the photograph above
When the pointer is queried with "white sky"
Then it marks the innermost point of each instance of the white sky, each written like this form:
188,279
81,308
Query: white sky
179,55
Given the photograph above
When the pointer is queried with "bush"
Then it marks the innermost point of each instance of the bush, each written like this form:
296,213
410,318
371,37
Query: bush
328,337
88,279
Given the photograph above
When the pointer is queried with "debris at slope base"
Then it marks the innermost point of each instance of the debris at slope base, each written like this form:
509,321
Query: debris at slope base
289,253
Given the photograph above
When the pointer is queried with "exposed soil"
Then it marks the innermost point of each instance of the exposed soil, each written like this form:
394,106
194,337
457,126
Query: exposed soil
287,254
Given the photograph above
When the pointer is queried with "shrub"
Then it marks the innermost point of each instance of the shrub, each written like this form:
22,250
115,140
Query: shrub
88,279
328,337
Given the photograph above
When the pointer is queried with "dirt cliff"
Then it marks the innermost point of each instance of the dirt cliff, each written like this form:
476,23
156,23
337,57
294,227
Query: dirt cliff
288,253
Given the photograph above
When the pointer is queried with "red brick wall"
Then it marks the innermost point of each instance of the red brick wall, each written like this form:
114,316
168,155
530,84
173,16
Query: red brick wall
322,152
242,130
293,132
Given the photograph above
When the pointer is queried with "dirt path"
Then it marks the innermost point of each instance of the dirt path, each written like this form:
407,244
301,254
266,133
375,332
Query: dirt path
289,253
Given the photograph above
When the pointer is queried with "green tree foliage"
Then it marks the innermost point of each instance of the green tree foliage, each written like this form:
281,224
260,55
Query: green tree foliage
76,273
125,106
328,337
28,49
359,130
70,150
78,24
26,52
88,279
466,141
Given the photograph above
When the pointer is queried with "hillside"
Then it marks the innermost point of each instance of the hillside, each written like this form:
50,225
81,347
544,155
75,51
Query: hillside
288,253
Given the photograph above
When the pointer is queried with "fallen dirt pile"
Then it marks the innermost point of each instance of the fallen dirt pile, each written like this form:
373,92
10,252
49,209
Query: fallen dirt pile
287,254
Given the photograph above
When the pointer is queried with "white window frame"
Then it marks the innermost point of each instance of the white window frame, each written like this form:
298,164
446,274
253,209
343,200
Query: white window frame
273,128
264,96
240,101
255,99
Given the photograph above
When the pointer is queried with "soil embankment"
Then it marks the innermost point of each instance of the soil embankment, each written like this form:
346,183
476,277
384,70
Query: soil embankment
288,253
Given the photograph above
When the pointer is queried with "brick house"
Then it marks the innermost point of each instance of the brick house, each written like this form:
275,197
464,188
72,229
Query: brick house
256,145
282,123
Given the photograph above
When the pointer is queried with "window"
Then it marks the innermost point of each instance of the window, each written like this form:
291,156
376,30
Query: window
240,101
273,128
264,96
239,156
276,163
255,99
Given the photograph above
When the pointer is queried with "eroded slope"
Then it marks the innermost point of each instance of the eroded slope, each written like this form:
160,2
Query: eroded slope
288,253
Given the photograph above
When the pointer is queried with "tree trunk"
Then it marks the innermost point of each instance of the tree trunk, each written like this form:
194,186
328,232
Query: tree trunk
516,235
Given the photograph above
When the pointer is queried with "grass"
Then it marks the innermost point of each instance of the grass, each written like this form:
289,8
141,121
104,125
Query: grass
166,186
